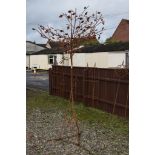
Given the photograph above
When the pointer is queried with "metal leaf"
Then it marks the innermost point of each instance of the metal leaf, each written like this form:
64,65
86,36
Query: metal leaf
77,27
42,27
46,31
68,17
88,19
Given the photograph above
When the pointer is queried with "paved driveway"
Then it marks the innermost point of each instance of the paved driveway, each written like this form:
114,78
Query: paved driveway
40,81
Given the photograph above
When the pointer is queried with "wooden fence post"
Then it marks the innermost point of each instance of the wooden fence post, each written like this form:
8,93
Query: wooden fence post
118,84
83,83
50,81
93,82
126,103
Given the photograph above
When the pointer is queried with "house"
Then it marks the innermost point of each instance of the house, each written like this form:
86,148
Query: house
109,59
101,56
44,59
122,32
32,47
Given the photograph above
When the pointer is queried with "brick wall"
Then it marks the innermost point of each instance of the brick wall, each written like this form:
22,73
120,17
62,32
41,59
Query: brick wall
122,32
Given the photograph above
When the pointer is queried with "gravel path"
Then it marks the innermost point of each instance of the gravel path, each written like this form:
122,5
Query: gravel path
45,128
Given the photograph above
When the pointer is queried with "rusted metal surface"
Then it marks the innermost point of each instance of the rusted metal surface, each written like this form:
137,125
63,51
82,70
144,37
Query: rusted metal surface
102,88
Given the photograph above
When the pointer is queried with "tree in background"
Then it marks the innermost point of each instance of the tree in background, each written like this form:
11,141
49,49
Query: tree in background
110,41
80,29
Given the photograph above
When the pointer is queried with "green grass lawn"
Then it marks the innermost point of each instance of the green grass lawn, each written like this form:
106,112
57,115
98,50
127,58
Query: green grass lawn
43,101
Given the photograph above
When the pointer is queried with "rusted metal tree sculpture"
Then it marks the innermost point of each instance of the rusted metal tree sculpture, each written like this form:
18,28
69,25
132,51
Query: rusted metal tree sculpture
79,28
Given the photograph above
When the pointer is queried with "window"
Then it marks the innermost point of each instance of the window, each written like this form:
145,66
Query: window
52,59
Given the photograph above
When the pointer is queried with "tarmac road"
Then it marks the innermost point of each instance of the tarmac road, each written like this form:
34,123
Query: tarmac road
39,81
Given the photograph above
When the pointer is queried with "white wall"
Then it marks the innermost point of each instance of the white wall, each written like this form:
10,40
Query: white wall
79,59
115,59
66,61
100,59
59,59
41,61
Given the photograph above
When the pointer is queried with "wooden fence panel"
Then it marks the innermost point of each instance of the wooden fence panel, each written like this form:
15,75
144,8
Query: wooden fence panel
105,89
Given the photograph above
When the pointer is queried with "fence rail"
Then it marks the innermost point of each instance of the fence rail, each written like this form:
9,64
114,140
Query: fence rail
105,89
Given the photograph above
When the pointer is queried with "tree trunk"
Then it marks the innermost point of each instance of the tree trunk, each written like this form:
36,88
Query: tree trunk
72,100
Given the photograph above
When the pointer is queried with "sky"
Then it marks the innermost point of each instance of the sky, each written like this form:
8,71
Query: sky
46,12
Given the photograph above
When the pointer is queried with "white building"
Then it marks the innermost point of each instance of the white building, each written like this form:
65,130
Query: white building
102,56
32,47
44,59
108,59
